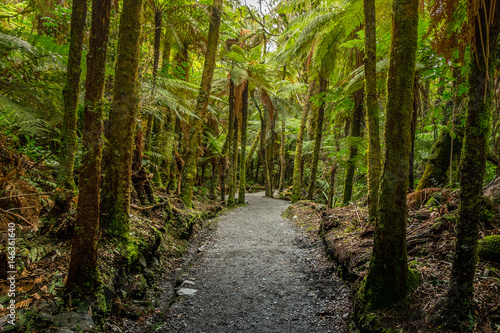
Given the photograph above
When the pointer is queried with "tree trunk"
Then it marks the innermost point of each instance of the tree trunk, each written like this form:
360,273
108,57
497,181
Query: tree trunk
459,299
331,186
252,149
70,95
156,47
191,156
232,130
243,164
387,279
297,163
372,112
282,158
414,118
167,49
317,138
83,277
264,158
118,169
353,151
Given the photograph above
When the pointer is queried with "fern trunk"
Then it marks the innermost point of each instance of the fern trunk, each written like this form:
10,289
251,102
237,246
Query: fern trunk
297,162
353,150
242,164
317,139
191,157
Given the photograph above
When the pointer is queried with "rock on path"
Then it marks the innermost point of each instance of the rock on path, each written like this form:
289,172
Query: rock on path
259,274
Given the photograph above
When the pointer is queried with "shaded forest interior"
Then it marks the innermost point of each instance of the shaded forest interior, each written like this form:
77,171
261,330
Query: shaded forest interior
125,124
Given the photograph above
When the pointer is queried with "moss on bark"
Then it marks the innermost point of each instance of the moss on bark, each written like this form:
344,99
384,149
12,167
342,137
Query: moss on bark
119,151
459,298
372,116
297,162
83,280
70,95
387,279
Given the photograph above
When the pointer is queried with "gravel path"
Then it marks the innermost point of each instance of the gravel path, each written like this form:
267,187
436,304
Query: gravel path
259,273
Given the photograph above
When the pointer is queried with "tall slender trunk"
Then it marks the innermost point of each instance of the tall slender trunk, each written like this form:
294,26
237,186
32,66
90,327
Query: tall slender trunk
331,186
196,130
118,169
459,299
253,148
353,151
167,49
231,188
83,277
414,118
372,112
264,158
70,95
156,47
387,279
243,168
297,162
317,139
282,157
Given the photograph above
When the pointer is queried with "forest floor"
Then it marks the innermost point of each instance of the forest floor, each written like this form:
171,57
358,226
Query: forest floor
257,272
430,244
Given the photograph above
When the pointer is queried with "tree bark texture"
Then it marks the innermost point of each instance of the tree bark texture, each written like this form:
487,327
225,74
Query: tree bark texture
372,111
70,95
317,138
353,151
386,282
297,162
243,142
474,155
83,276
119,152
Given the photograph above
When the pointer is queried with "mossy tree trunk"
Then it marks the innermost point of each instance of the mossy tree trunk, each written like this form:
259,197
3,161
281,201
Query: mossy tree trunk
70,95
243,142
197,124
282,157
297,162
118,154
414,118
331,186
353,150
386,282
84,280
231,134
253,148
459,298
317,138
264,152
167,49
372,111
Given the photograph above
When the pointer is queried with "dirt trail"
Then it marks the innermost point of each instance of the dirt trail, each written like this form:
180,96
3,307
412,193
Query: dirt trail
259,273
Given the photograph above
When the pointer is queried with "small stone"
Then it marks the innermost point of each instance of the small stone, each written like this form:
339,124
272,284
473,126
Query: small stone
70,320
142,261
187,283
155,261
64,330
186,292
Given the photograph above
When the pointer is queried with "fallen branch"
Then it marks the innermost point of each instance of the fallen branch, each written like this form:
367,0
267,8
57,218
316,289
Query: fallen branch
27,195
18,216
149,207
